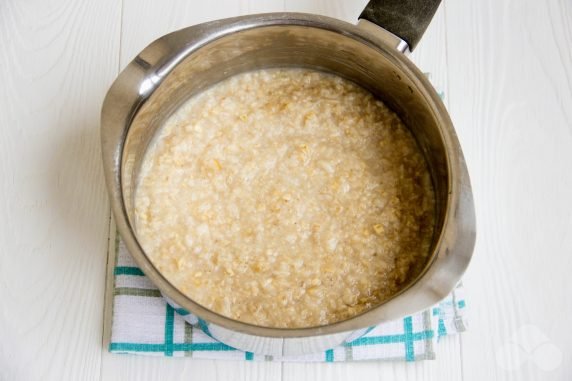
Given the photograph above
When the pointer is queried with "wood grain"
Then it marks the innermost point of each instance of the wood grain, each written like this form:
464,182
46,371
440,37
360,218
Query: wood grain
57,60
506,69
510,96
145,21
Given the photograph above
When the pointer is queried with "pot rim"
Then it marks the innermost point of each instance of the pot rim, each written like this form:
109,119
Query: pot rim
133,86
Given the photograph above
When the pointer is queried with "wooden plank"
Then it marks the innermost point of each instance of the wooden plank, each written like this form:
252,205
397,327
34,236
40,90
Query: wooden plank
507,75
510,96
133,367
57,60
347,10
145,21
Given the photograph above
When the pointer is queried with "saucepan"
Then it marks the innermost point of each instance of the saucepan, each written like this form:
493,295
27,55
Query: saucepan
372,54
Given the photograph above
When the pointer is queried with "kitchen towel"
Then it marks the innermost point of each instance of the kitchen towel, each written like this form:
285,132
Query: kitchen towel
143,323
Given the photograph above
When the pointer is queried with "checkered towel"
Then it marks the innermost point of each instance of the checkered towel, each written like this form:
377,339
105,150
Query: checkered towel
143,323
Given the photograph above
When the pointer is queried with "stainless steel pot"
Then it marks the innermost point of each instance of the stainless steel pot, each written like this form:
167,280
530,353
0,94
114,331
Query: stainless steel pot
184,63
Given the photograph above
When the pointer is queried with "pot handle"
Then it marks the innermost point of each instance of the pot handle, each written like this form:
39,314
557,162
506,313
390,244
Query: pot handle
407,19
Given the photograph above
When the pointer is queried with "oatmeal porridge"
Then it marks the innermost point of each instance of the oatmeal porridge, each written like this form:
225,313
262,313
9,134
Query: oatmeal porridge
285,198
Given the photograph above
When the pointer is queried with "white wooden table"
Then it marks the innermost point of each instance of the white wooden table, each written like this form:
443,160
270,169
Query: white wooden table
506,69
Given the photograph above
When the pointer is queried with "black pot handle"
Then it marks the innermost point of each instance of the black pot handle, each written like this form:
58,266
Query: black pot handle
407,19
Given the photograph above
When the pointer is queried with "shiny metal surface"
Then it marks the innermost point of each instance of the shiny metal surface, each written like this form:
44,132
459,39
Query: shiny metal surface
183,63
385,35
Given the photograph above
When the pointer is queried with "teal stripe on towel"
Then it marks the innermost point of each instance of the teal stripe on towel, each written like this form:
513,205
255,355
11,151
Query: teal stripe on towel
195,347
330,355
169,328
409,338
128,270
